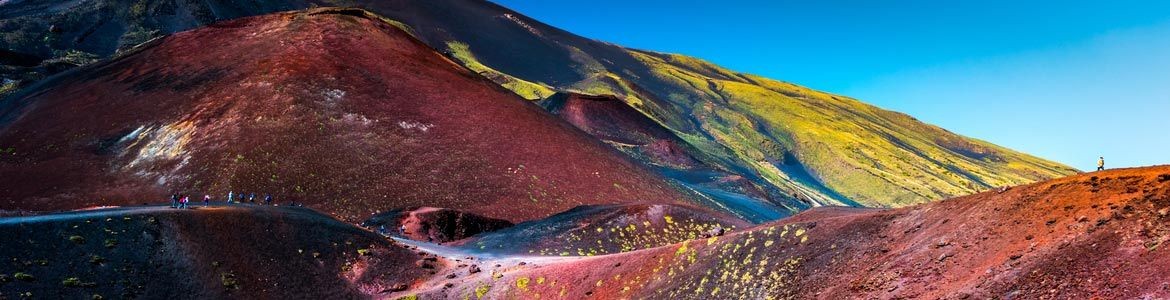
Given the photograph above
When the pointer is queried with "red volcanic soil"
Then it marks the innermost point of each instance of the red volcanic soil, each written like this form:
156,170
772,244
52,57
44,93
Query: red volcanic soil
1090,236
612,120
333,108
244,252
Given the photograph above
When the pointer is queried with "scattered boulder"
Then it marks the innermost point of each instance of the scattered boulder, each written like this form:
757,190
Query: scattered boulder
398,287
942,243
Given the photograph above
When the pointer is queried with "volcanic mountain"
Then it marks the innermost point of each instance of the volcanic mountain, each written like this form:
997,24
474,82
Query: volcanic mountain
337,109
779,145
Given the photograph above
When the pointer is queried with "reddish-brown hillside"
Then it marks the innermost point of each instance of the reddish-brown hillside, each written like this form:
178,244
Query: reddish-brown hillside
1090,236
334,108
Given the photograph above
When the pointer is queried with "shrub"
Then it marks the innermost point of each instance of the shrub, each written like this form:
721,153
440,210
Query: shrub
229,281
24,276
71,282
77,239
363,252
111,243
97,260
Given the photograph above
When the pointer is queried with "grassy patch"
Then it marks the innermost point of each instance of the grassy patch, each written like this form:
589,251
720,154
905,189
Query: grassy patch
24,276
229,281
527,89
482,290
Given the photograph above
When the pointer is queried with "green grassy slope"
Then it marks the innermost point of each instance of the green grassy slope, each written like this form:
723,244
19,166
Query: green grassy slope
875,157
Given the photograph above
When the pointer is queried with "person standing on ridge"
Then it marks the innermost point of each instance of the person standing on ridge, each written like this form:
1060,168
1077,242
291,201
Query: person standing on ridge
206,200
174,200
252,198
267,199
1101,164
230,197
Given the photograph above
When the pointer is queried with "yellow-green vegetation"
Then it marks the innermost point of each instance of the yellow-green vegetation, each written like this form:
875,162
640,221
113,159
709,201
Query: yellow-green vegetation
522,283
8,86
737,268
24,276
71,282
822,148
527,89
482,290
869,155
229,281
616,237
756,264
608,84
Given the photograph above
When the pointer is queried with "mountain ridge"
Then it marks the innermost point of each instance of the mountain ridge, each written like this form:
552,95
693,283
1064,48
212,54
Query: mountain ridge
804,148
276,109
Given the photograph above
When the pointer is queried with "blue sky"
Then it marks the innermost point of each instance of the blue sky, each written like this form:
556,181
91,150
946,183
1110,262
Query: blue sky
1064,80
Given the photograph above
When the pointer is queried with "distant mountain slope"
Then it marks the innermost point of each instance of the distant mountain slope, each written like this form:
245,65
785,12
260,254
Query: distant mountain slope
334,108
803,147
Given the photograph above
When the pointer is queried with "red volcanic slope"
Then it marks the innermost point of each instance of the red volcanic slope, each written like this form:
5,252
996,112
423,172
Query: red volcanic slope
333,108
612,120
1091,236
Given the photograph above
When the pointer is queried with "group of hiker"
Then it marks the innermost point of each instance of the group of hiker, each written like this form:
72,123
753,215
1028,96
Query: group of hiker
182,201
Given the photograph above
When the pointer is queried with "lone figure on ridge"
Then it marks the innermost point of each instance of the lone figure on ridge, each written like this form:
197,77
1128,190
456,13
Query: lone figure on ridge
1101,164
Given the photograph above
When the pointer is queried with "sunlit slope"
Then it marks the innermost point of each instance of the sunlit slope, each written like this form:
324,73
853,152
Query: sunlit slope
873,156
802,147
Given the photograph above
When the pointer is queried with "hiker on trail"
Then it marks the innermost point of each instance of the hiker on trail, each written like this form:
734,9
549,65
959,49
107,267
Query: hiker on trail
1101,164
267,199
252,198
240,198
206,200
183,201
230,197
174,200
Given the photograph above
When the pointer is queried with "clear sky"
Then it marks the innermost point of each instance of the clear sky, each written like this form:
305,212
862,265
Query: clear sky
1065,80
